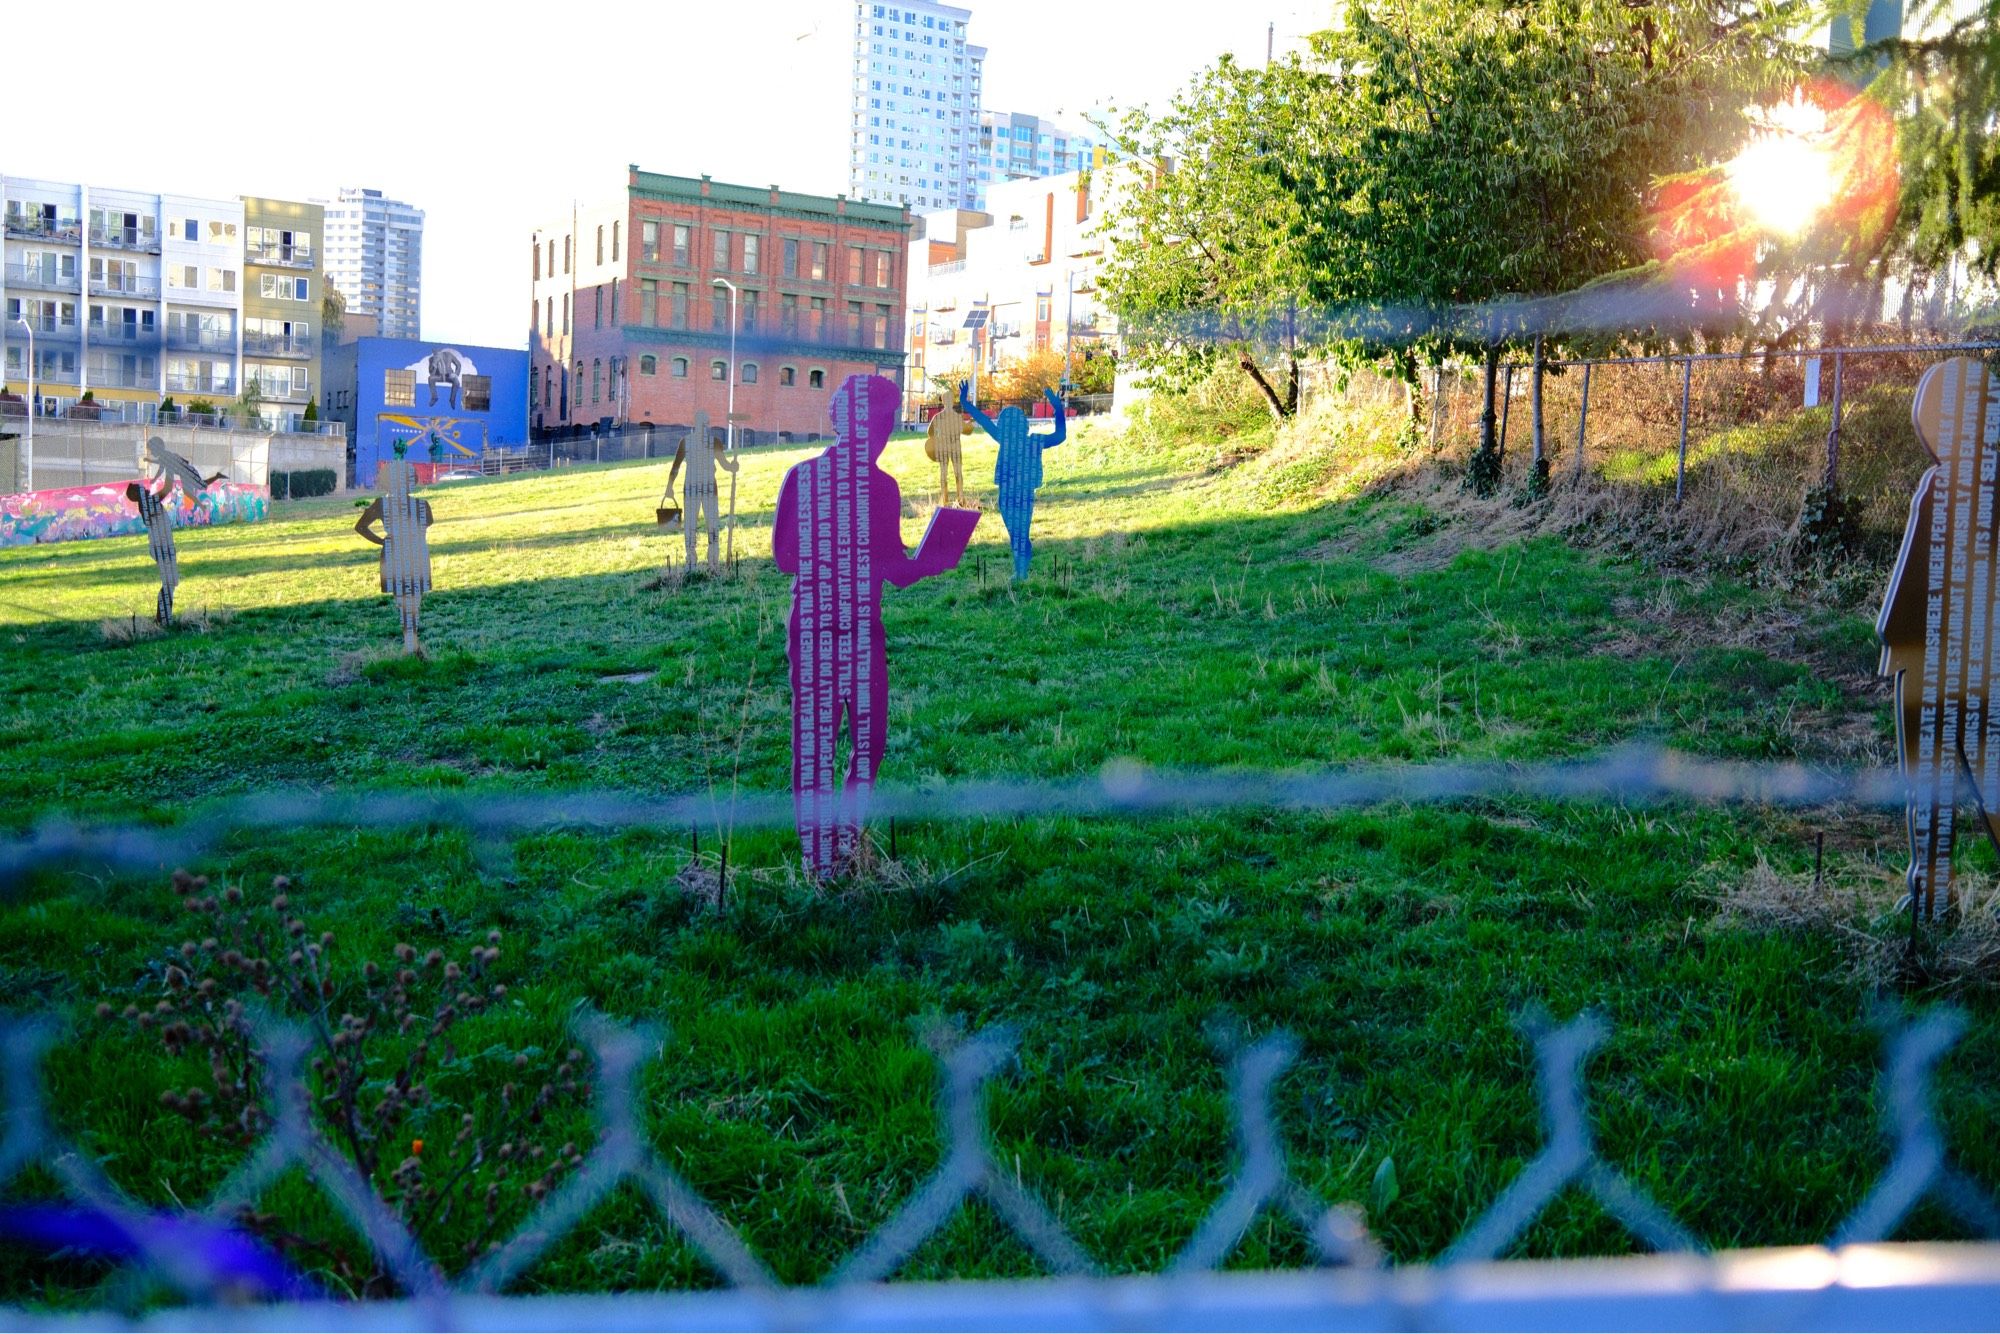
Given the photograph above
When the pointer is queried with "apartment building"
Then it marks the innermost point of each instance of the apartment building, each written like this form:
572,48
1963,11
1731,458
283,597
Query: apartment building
282,295
1015,146
916,101
1028,263
375,260
130,296
631,316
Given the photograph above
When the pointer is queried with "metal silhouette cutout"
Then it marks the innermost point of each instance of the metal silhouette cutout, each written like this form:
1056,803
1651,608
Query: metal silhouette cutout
406,550
839,531
1937,625
1018,469
699,499
152,499
944,446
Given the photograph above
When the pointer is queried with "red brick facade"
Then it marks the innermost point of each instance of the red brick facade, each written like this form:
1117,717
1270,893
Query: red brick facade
820,289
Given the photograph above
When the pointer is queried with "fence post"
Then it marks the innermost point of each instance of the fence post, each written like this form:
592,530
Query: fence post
1681,468
1582,419
1833,431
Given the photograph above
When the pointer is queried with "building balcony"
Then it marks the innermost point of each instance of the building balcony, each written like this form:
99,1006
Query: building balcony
278,345
280,256
181,339
58,229
125,238
41,278
117,284
124,335
121,379
200,384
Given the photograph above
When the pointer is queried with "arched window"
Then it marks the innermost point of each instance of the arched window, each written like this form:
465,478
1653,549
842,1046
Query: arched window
680,368
649,365
718,370
817,379
749,372
788,376
596,379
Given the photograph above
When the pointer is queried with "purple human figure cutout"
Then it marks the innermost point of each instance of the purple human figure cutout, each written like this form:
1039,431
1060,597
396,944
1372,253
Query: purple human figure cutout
839,530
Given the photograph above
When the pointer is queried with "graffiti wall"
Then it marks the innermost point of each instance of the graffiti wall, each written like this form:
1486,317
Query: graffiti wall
101,510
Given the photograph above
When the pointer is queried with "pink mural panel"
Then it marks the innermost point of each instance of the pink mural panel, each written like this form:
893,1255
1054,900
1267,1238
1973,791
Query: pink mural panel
839,530
101,510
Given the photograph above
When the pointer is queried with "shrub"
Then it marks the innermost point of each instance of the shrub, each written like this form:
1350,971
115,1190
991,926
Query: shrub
312,410
302,484
459,1142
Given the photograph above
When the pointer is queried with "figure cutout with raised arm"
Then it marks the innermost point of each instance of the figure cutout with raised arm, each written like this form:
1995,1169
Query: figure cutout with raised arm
839,531
1017,472
153,501
943,445
1937,624
699,503
406,550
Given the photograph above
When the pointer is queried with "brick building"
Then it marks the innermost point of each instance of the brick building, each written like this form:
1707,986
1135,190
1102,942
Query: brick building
630,323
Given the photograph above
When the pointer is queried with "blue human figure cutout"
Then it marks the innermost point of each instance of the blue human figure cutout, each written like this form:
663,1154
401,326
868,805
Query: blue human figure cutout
1018,470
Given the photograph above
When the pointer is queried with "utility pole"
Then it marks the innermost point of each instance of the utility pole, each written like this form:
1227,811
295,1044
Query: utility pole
1270,41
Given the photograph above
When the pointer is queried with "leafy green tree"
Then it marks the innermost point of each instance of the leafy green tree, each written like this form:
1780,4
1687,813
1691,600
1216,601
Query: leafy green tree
332,316
1494,153
1207,233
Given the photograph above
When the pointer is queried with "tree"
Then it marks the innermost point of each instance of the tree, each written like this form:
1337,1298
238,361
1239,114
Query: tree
1039,372
332,316
252,401
1206,233
1495,153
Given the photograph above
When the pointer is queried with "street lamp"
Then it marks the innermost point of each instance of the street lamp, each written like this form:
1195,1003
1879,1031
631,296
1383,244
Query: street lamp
25,474
724,282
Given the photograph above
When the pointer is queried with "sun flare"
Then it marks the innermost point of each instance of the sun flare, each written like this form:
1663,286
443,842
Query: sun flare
1786,175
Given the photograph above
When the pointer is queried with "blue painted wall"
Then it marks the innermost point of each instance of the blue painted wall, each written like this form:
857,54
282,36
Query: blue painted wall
357,383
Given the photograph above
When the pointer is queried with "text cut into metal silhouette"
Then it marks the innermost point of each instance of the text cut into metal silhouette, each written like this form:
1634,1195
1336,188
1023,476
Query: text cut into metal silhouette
1937,625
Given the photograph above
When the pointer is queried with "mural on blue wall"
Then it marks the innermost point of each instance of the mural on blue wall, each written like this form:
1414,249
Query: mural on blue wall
452,402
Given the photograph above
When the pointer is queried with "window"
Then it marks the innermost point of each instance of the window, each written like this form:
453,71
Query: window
600,260
680,312
749,372
552,257
220,233
854,323
681,243
882,265
649,301
788,376
649,242
816,322
189,276
680,368
478,393
538,261
749,312
535,372
549,388
854,257
649,365
549,317
566,247
882,316
1041,310
614,243
819,261
753,247
596,372
791,257
719,254
816,380
718,313
191,229
399,389
718,370
565,314
788,312
597,315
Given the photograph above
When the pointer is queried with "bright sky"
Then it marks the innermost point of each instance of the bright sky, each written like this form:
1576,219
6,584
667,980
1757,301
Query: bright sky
491,118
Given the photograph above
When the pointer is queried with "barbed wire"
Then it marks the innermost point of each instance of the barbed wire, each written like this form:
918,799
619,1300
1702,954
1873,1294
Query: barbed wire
1635,775
216,1269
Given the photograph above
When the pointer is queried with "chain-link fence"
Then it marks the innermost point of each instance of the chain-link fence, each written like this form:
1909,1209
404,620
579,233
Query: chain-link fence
209,1259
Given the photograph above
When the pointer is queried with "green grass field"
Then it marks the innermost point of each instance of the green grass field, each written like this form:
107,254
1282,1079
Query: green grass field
1182,615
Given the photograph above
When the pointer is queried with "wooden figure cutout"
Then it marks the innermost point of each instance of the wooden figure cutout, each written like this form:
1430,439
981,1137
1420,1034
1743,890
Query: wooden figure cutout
1937,624
406,551
699,501
154,505
839,530
943,445
1018,470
